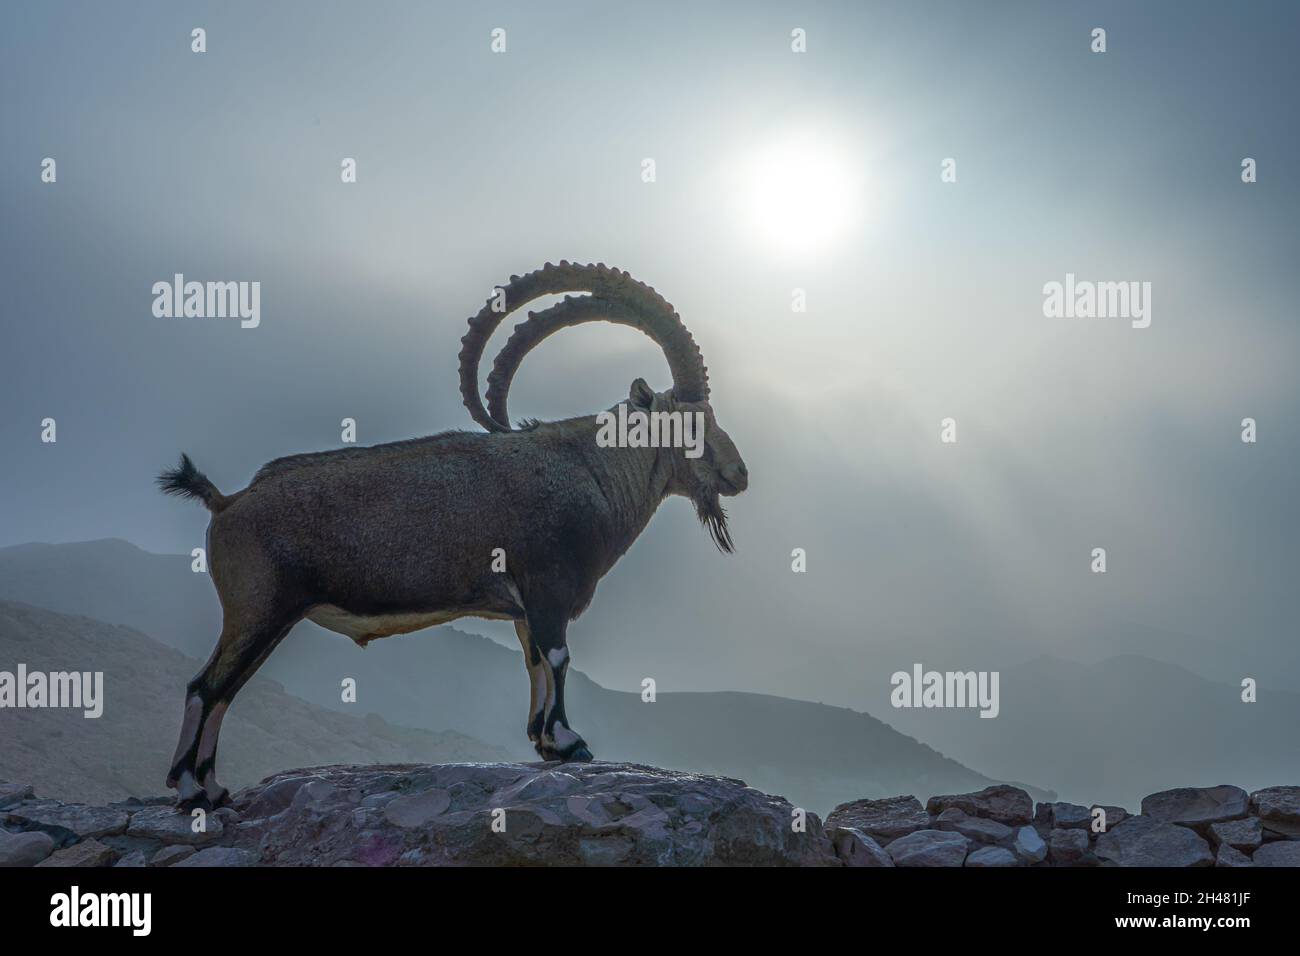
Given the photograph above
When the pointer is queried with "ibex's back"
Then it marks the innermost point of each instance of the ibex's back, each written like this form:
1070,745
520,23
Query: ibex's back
507,524
410,528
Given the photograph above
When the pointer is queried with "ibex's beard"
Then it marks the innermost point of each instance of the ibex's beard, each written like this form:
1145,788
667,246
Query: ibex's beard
708,507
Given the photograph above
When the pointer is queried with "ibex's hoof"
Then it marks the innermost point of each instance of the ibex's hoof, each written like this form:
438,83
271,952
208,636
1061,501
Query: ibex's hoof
576,752
198,801
192,797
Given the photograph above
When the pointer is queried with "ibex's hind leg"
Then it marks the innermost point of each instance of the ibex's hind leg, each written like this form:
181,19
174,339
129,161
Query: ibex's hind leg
557,740
538,684
240,651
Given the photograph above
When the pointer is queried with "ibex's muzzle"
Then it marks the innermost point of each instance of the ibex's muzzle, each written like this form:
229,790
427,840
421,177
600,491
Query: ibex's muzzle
736,475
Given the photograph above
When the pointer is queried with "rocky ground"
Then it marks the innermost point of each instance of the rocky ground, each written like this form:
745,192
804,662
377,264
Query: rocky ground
634,815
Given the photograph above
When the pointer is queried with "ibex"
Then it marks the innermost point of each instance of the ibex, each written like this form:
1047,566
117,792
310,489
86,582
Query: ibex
511,524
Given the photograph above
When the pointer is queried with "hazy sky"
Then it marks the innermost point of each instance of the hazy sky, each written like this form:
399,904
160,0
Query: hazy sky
924,299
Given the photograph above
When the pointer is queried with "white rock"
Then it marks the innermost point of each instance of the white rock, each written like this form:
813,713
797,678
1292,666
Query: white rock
1029,846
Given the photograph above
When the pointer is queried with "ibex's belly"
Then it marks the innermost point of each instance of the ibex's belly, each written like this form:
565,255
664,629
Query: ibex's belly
365,628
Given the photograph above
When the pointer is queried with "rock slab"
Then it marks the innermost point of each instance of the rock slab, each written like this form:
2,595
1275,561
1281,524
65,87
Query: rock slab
86,853
1197,806
1070,848
929,848
520,814
24,849
1145,841
1278,808
992,856
69,822
169,825
1005,804
882,820
1244,835
1281,853
855,848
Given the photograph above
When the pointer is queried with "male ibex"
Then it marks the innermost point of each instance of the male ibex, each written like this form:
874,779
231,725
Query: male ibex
384,540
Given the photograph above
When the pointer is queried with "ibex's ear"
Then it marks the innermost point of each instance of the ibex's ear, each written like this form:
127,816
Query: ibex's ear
641,395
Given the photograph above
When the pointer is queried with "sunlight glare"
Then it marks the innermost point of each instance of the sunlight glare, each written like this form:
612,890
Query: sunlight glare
800,194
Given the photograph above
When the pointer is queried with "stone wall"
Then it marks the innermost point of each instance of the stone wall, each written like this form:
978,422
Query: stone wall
635,815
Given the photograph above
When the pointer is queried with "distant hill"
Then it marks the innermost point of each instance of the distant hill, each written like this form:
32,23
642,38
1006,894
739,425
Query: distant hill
1128,726
117,582
125,752
445,679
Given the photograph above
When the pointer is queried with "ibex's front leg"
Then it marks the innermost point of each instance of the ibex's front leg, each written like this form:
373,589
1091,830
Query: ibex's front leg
556,741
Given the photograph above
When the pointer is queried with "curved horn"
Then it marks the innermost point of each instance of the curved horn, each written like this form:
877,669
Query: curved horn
574,310
615,296
623,301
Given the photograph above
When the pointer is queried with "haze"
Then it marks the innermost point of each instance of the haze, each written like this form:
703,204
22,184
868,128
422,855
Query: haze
925,304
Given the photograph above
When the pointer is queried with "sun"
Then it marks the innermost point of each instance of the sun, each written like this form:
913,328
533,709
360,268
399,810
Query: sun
800,193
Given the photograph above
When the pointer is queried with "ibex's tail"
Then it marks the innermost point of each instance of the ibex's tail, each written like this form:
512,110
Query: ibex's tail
188,482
